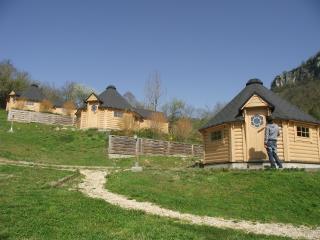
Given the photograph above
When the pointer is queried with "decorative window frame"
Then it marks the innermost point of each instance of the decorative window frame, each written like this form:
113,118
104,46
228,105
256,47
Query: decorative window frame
301,138
224,132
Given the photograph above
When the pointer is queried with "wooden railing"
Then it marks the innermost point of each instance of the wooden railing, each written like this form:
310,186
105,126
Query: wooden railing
37,117
128,146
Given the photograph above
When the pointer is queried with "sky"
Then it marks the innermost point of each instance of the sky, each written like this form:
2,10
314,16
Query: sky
204,50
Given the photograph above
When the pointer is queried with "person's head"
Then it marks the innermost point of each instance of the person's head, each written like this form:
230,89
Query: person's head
269,119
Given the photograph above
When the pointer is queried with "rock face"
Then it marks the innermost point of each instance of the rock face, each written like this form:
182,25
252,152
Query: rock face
301,86
308,71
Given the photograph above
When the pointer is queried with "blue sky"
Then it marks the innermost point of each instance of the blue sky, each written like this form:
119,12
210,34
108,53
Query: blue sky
204,50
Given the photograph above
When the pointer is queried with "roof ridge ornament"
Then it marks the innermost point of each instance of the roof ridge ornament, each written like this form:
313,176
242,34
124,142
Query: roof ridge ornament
111,87
254,81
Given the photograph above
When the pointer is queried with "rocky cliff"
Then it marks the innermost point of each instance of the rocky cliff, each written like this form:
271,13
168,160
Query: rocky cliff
301,86
307,71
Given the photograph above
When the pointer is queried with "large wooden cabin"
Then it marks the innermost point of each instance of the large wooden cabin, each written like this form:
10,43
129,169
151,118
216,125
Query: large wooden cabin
235,136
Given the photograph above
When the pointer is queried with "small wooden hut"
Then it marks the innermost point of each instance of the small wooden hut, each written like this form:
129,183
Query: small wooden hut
234,137
111,111
33,99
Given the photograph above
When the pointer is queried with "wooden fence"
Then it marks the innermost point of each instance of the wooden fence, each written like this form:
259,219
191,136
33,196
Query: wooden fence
37,117
128,146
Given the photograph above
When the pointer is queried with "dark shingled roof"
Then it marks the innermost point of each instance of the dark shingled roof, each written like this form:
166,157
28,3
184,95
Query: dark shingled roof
58,103
281,109
145,113
110,98
33,93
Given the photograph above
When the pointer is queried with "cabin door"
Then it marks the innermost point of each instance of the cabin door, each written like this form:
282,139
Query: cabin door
255,128
93,115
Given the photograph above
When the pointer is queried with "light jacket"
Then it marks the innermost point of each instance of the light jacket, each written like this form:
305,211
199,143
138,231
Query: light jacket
271,132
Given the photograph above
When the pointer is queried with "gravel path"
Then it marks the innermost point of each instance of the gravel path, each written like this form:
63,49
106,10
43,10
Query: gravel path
93,186
4,161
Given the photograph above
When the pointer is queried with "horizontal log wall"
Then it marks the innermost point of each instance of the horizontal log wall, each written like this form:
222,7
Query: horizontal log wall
124,145
38,117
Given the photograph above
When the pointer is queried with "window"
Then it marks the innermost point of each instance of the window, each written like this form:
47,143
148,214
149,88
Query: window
28,103
303,132
118,114
94,108
217,135
256,120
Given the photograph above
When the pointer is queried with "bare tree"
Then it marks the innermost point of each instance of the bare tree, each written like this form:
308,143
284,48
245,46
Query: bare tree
46,106
183,128
153,90
157,121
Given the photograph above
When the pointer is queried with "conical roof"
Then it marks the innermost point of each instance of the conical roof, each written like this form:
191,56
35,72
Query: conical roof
281,109
110,98
33,93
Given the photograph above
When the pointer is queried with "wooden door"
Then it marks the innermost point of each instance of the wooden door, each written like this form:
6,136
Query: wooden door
93,115
255,129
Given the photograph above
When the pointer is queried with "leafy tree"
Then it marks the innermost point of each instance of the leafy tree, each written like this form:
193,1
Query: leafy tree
11,79
75,92
174,109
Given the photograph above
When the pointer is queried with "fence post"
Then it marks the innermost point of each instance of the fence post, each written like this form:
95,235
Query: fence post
192,150
141,146
169,148
110,144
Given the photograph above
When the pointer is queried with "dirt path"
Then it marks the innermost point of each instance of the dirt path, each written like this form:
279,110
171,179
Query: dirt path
93,186
5,161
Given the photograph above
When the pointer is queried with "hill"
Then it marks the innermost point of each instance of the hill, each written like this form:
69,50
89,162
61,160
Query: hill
301,85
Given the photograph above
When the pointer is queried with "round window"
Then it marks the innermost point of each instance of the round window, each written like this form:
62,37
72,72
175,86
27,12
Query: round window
256,120
94,108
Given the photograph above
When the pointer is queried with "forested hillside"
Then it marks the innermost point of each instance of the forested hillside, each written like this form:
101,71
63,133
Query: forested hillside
301,86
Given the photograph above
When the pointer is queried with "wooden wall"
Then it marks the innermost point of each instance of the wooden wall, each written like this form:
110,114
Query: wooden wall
237,142
291,148
217,151
303,149
105,119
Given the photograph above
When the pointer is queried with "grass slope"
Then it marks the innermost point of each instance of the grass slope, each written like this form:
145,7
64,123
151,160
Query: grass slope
268,196
43,144
30,209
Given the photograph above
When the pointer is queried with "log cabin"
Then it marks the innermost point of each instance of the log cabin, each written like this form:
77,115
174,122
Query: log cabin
234,137
111,111
33,99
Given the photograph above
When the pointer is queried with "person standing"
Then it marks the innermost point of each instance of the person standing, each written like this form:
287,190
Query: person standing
270,142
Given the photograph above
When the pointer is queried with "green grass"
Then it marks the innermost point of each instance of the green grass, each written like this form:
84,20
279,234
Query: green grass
31,209
267,196
44,144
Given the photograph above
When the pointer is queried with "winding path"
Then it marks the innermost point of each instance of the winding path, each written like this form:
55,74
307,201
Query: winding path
93,185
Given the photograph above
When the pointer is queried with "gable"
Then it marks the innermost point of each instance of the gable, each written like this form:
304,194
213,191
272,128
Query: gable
255,101
92,98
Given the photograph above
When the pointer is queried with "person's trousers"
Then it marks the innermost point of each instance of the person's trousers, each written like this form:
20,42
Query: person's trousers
272,153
